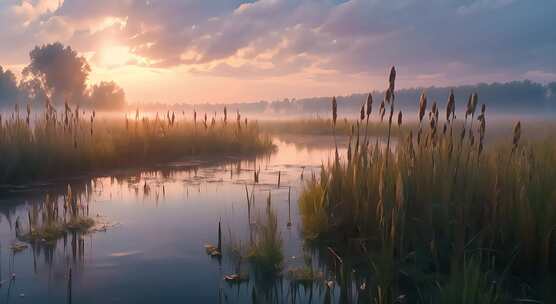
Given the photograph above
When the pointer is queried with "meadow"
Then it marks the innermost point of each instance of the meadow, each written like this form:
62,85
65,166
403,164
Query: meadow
61,143
462,221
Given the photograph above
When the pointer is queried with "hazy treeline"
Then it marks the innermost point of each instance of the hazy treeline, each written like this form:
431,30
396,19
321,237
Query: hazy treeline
57,72
504,97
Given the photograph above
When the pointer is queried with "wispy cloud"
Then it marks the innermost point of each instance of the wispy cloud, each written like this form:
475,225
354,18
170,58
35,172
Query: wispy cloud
276,38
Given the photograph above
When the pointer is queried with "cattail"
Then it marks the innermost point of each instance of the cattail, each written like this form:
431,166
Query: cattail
28,114
422,106
388,96
472,104
451,106
469,106
225,115
517,134
362,116
382,111
482,121
392,80
474,101
400,119
369,105
194,117
334,110
482,128
349,151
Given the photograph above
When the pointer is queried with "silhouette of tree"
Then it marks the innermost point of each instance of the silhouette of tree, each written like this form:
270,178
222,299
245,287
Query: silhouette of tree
61,71
107,96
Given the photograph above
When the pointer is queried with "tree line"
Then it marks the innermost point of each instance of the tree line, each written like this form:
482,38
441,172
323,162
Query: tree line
58,73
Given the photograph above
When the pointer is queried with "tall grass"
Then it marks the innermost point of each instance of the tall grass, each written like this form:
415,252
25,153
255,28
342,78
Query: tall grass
442,195
50,144
265,252
323,126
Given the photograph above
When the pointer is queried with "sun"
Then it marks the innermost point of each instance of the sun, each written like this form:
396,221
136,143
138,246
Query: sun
112,56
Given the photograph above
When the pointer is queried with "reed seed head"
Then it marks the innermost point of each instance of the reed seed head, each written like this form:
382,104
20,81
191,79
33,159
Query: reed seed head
392,80
474,102
422,106
469,106
382,111
369,105
334,110
450,107
517,134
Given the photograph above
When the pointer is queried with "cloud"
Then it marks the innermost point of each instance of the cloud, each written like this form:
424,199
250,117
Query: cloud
276,38
478,6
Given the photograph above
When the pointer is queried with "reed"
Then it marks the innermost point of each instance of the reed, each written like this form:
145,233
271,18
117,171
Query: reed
442,197
59,145
324,126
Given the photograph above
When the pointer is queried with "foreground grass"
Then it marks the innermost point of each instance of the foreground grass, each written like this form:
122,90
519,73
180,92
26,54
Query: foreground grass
439,200
265,252
61,145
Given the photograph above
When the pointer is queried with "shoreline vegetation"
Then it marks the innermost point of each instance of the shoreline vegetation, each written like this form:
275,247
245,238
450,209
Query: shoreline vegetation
323,126
462,221
55,143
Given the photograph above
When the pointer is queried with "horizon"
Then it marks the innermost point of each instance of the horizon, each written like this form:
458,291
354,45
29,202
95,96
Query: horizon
195,52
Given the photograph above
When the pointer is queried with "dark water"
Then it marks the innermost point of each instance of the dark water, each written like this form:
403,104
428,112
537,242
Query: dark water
153,248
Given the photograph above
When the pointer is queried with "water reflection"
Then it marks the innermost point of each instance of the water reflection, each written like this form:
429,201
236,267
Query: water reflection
157,221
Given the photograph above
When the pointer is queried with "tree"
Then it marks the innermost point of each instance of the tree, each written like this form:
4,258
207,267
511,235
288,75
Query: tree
61,71
107,96
9,93
551,91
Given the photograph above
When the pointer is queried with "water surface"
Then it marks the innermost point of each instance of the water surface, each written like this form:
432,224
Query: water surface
158,222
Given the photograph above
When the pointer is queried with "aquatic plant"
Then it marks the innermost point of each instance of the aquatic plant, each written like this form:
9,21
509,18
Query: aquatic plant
50,220
53,144
471,286
441,195
324,126
265,252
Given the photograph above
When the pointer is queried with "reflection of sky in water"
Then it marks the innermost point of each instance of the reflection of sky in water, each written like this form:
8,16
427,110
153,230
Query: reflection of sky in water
155,253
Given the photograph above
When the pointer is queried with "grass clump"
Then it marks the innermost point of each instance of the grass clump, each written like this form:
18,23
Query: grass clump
265,252
52,144
50,221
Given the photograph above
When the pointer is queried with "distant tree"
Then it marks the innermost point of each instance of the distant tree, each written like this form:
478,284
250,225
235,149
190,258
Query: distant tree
9,92
551,92
107,96
32,90
60,70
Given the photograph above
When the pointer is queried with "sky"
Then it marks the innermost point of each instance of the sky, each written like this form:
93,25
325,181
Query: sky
196,51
